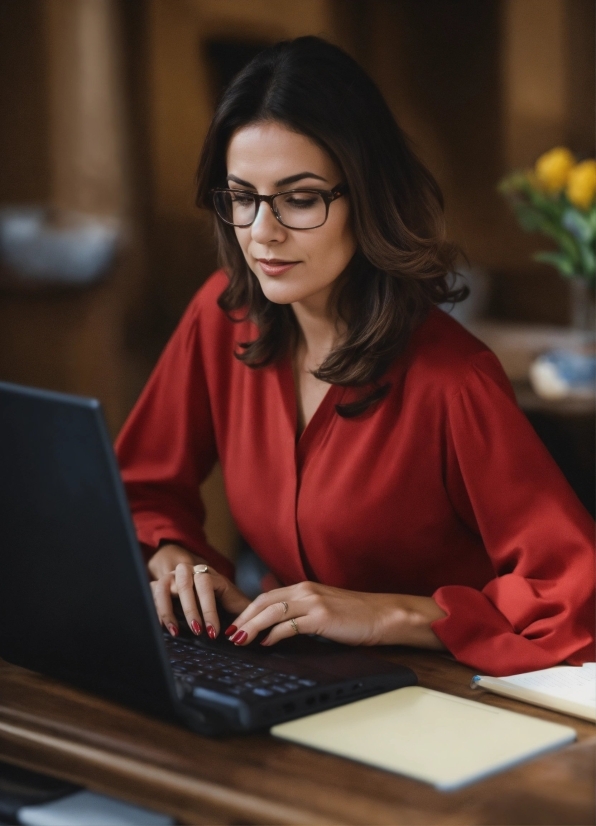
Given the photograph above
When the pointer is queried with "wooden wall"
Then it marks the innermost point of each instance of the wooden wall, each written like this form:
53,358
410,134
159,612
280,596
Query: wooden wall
63,143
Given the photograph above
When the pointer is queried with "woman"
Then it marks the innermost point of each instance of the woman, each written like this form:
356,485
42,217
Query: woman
372,450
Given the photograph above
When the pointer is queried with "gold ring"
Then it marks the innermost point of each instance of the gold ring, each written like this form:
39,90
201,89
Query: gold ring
294,626
201,569
284,606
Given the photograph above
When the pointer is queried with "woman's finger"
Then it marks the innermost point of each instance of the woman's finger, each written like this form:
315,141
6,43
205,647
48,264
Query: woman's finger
279,596
272,614
215,588
186,592
229,596
204,587
290,628
163,604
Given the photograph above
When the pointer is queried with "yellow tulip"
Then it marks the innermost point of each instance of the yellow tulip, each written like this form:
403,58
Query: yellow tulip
552,169
581,184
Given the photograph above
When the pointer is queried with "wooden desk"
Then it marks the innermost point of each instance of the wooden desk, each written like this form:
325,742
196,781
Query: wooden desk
255,779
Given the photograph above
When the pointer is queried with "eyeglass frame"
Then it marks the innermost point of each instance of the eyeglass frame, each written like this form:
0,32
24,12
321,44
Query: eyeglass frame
328,196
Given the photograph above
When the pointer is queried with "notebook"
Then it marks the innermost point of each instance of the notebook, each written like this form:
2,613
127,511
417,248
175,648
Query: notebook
427,735
67,532
567,688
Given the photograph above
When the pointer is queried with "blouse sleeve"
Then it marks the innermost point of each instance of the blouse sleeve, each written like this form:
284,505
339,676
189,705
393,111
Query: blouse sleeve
539,609
167,448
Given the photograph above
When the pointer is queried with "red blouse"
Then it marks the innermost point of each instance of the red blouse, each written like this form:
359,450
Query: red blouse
443,489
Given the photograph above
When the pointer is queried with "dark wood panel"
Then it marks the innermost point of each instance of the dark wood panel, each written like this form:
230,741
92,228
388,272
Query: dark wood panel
50,727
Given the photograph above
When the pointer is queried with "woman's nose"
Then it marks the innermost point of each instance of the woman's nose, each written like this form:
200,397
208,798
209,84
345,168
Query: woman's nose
266,228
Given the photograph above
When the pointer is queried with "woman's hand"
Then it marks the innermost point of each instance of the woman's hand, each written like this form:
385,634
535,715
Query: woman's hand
172,569
349,617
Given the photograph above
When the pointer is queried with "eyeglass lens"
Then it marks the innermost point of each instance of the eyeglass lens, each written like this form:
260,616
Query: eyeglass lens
297,210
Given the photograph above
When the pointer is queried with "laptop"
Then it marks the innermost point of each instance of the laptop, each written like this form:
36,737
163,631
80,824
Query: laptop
75,601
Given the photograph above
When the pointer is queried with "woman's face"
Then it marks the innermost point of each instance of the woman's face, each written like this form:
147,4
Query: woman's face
292,266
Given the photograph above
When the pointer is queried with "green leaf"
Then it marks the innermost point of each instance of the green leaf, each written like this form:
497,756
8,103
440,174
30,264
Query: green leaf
551,206
512,183
578,225
530,219
588,260
534,221
558,260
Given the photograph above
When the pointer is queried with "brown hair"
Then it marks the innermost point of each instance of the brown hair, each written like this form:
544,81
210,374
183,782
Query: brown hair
403,262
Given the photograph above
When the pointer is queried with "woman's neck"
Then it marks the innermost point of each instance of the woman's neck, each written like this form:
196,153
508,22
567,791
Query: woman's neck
319,332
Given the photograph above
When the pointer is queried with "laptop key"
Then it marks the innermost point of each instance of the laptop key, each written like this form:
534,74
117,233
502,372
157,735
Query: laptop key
262,692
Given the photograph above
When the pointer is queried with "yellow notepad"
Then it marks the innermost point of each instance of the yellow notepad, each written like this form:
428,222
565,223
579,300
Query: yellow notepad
437,738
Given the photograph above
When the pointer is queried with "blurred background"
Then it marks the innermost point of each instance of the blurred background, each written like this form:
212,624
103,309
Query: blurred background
103,108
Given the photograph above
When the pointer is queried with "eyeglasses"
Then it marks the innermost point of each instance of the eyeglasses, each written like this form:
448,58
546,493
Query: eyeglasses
294,209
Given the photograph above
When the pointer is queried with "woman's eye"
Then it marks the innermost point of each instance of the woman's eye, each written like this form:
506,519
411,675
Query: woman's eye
241,199
301,201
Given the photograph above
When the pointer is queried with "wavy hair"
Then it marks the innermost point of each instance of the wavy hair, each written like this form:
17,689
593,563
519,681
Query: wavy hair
403,261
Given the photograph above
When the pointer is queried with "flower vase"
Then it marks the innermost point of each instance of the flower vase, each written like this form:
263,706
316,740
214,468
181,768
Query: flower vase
582,308
570,371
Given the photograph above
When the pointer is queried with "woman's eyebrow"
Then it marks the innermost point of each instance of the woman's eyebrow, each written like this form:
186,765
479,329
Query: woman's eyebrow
293,178
283,182
240,181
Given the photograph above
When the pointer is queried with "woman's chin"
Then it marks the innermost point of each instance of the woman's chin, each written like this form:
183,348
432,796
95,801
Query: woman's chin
279,293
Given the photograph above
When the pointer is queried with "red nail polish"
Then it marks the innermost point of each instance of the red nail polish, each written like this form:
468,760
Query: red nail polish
196,628
211,632
239,637
172,629
231,630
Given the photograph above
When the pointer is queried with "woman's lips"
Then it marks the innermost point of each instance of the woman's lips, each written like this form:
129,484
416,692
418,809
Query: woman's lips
274,266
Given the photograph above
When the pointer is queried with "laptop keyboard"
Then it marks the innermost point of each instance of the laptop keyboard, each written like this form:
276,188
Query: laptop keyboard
228,674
